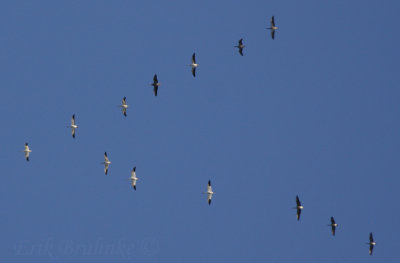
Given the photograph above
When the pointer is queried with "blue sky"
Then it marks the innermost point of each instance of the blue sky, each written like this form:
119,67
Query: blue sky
314,112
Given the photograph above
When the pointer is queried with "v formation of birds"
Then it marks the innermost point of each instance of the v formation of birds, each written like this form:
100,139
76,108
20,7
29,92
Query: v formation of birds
156,84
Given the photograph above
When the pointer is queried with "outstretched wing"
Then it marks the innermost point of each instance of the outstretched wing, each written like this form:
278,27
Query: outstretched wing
272,21
155,78
194,71
155,90
194,58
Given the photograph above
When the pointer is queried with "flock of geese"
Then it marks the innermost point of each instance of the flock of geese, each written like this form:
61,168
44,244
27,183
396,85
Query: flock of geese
124,106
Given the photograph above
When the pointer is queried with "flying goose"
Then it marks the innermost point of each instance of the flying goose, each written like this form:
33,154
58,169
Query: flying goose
124,106
134,178
240,46
73,126
155,84
194,65
106,163
27,151
371,243
333,225
299,207
209,192
273,27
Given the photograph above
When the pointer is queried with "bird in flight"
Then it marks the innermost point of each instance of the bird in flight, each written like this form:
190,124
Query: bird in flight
273,27
134,178
333,225
194,65
73,126
155,84
209,192
371,243
298,207
124,106
106,163
240,46
27,151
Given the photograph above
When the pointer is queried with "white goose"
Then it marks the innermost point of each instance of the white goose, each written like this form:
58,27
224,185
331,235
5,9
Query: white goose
194,65
134,178
124,106
106,163
27,151
73,126
209,192
298,207
273,27
371,243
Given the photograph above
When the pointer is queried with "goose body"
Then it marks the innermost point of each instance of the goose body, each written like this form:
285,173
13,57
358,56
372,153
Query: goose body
155,84
371,243
298,207
333,225
124,106
27,151
134,178
73,126
240,46
106,163
273,27
209,192
194,65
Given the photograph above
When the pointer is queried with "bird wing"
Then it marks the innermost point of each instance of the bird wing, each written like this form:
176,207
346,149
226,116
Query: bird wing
272,21
124,101
332,220
106,168
73,132
133,183
298,214
106,158
371,247
124,111
73,120
155,90
241,51
241,42
194,71
194,58
209,196
27,156
333,230
273,34
298,201
155,78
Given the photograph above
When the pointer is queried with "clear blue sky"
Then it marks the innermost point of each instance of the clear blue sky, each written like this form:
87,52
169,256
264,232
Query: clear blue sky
314,112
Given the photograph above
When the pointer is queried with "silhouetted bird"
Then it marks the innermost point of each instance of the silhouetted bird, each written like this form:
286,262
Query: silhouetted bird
240,46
